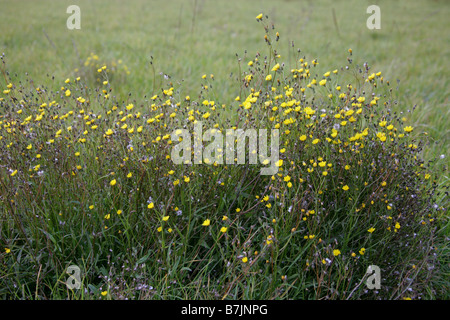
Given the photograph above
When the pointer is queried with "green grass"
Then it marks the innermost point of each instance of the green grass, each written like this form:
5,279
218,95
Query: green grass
47,222
190,38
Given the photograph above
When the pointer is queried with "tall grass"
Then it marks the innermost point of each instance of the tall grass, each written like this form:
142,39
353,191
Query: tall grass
87,179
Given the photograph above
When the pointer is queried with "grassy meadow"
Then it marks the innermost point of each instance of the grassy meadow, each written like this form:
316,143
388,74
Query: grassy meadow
86,123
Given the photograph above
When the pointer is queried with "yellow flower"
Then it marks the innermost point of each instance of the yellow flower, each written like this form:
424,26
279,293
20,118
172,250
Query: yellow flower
336,252
244,259
276,67
362,251
323,82
104,293
119,212
371,230
166,218
187,179
129,175
345,188
206,223
113,182
107,216
68,93
259,16
408,129
7,250
13,173
302,137
151,205
381,136
223,229
238,210
224,218
316,141
269,77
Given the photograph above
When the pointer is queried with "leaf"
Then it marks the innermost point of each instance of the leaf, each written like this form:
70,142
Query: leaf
143,259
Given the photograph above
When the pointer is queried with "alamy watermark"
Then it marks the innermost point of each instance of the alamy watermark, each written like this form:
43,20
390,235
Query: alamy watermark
74,20
374,21
221,146
74,280
374,279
